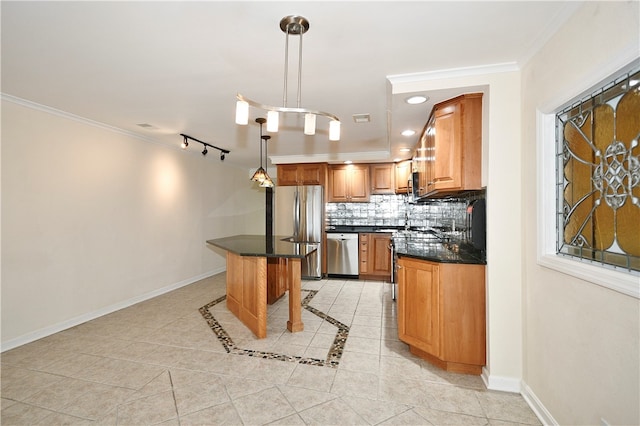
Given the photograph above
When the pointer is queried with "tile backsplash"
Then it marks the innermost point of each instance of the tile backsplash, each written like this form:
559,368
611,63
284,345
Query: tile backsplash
447,214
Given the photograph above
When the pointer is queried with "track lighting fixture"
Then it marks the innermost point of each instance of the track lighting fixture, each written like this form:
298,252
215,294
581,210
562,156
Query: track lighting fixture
205,151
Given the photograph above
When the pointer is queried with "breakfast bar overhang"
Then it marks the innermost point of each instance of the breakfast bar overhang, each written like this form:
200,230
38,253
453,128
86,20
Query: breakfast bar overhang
259,269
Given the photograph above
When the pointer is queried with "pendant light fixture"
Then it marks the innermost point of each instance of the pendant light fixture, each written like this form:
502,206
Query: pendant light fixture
267,182
290,25
260,174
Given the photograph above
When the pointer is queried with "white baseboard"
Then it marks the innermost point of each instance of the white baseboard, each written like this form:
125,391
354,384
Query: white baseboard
47,331
504,384
536,405
509,384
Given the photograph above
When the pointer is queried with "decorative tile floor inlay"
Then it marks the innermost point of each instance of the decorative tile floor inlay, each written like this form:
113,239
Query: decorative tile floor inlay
333,356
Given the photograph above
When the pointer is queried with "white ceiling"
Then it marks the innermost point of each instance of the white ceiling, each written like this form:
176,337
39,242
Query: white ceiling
177,66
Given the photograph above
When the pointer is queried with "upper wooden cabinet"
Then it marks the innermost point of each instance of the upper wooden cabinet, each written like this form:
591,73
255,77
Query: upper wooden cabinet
402,176
449,153
382,178
348,183
441,313
302,174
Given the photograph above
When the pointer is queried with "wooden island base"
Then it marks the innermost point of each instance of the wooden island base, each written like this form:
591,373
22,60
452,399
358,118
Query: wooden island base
248,283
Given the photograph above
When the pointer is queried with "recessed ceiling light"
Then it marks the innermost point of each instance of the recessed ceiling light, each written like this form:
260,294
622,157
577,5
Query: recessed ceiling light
405,149
408,132
348,162
415,100
395,160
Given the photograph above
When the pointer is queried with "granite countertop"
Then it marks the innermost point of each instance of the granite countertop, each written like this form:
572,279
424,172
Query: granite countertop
263,246
420,244
428,247
344,229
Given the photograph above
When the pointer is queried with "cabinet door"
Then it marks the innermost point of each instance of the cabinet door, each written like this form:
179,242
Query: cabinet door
287,175
418,305
382,178
349,183
447,167
364,254
359,183
338,190
452,141
380,255
424,157
403,174
312,174
463,313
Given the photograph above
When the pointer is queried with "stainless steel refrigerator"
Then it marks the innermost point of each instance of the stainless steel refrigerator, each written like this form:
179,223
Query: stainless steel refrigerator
297,213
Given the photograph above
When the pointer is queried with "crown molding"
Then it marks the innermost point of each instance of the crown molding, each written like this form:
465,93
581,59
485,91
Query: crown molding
453,73
83,120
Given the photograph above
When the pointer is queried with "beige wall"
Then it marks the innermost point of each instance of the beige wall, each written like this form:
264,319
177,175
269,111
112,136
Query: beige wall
582,361
94,219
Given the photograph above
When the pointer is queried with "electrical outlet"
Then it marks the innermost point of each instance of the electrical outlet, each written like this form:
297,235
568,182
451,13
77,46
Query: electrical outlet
603,422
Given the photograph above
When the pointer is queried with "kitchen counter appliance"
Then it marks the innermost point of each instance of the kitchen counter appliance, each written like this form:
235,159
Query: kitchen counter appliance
342,255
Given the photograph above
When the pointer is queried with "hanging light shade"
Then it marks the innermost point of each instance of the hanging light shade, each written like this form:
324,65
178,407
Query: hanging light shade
297,26
334,130
309,124
242,112
272,121
260,175
267,182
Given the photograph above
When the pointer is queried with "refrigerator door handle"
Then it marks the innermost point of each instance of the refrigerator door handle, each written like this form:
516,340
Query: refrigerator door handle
296,214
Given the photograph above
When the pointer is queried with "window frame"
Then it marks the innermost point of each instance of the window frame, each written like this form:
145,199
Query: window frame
547,256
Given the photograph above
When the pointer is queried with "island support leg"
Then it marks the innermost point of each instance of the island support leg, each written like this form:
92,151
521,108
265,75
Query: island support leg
295,303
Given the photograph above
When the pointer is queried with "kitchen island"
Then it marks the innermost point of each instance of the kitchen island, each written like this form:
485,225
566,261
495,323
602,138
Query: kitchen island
259,269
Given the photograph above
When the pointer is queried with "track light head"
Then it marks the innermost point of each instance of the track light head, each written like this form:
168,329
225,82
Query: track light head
205,151
221,155
185,143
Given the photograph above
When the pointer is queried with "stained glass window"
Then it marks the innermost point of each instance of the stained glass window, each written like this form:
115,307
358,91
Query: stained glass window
598,176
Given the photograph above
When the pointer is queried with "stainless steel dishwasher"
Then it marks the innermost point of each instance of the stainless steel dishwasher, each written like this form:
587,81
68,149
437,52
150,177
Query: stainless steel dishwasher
342,255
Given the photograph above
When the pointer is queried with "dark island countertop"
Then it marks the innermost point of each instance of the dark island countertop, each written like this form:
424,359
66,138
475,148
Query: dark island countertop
263,246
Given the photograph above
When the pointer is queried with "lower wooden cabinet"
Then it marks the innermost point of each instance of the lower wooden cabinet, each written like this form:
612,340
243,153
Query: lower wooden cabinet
375,256
441,313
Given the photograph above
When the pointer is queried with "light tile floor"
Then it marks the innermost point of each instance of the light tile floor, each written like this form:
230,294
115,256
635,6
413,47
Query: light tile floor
160,362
